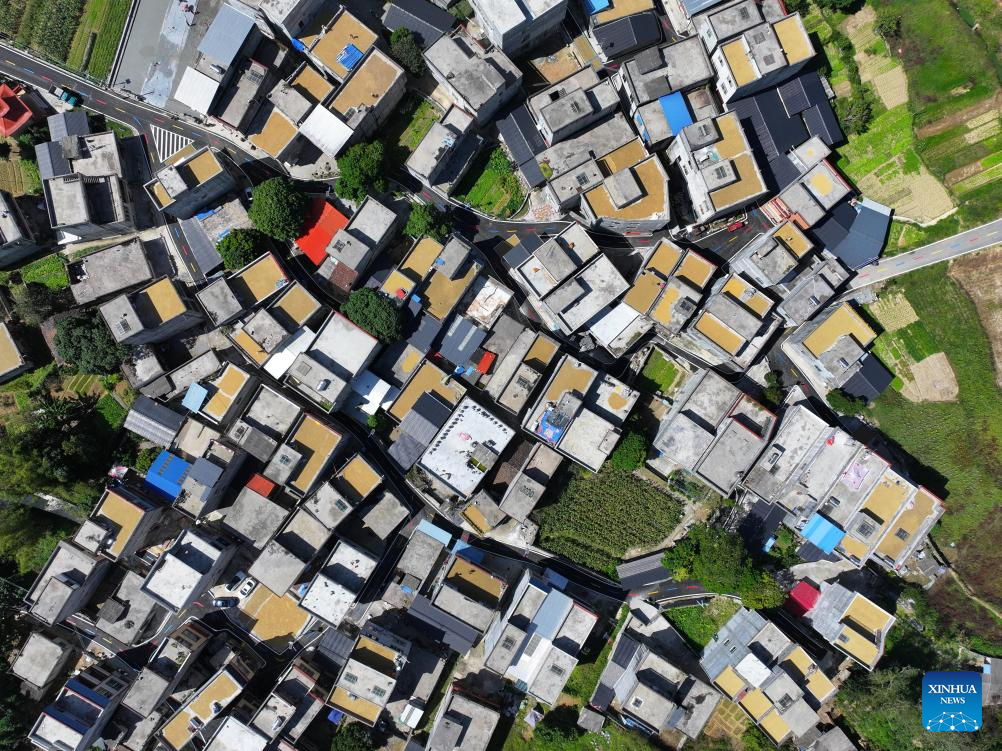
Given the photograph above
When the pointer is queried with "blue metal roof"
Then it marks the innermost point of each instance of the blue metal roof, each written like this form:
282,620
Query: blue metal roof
349,56
676,111
594,6
468,552
226,35
195,397
435,533
552,613
822,533
167,473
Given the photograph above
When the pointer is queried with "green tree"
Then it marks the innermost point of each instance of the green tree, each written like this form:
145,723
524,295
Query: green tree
855,112
719,561
361,170
631,451
842,5
845,404
28,537
145,459
279,208
773,388
53,451
407,52
353,737
240,247
34,303
426,219
83,340
12,727
888,23
376,313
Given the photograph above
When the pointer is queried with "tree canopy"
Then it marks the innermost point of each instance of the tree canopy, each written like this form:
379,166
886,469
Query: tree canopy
240,247
279,208
54,450
631,451
353,737
427,219
83,339
34,303
407,52
361,171
28,537
845,404
376,313
719,561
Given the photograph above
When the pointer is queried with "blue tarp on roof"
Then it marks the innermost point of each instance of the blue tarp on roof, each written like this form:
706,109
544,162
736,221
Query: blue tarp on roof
167,473
195,398
548,431
350,56
594,6
676,111
822,533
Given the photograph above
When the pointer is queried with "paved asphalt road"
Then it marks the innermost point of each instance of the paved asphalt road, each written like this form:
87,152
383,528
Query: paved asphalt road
977,238
16,64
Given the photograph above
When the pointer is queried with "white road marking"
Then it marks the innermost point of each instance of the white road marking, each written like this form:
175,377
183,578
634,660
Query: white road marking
167,141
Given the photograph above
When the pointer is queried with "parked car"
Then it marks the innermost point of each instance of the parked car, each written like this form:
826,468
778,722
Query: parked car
66,95
733,226
248,587
225,602
233,583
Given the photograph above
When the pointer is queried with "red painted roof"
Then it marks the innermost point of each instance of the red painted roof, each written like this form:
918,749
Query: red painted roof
14,113
261,485
486,361
803,598
322,223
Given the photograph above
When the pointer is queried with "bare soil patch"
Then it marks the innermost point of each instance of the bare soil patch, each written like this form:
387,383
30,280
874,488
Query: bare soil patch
958,118
980,275
933,380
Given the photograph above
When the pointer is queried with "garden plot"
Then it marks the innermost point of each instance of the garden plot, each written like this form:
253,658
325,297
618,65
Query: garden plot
980,275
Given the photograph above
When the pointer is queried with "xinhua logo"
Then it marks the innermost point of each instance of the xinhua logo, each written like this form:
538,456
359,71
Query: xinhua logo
951,700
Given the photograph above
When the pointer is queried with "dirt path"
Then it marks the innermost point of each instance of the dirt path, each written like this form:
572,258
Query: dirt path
961,117
973,595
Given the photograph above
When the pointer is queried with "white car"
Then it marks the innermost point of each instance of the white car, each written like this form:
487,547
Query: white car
248,587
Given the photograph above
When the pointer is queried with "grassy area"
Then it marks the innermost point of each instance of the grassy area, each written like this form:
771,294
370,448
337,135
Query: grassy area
699,623
948,66
659,374
598,517
48,270
410,123
612,738
102,21
584,678
30,380
491,185
20,177
955,445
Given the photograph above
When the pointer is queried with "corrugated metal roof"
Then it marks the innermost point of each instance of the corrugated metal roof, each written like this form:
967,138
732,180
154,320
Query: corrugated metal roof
457,635
153,421
626,35
203,249
870,381
552,613
406,451
461,341
425,20
226,35
63,124
51,162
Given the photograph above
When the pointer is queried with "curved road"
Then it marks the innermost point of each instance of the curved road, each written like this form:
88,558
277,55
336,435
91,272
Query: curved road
960,244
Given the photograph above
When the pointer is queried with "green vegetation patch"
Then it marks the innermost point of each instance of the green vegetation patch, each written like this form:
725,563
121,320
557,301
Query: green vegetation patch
598,517
492,186
955,445
558,731
28,536
97,36
111,411
47,26
410,123
585,676
699,623
48,270
659,374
